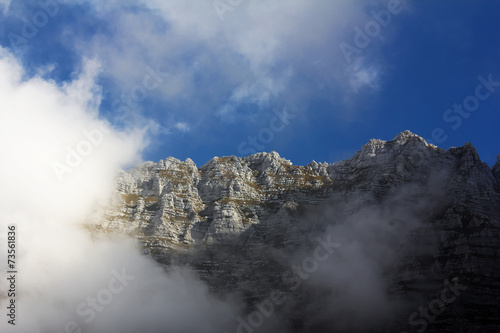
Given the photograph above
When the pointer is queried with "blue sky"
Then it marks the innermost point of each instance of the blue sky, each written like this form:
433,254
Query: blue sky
203,78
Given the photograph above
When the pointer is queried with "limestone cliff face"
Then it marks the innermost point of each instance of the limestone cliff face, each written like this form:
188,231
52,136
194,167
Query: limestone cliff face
236,220
175,204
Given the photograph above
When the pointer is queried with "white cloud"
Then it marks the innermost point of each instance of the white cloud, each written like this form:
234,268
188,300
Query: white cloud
362,76
43,124
252,56
182,127
4,5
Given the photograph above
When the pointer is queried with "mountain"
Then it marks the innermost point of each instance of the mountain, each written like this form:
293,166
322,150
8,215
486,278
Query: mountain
403,236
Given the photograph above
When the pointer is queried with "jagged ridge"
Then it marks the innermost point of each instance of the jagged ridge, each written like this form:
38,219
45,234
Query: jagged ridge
256,202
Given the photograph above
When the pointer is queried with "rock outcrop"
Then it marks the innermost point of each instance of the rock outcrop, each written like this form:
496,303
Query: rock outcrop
241,223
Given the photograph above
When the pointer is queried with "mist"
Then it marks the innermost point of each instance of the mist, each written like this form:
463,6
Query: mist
341,271
59,161
355,287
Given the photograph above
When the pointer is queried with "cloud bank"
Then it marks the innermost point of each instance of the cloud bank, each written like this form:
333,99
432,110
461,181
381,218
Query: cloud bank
66,281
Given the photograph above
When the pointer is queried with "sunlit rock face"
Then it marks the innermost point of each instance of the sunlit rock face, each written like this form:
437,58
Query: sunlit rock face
420,217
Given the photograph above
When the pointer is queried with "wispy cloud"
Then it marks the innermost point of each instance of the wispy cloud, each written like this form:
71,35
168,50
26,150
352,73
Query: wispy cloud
183,127
4,5
363,76
259,52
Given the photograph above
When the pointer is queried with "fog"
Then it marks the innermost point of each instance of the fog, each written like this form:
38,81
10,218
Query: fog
59,159
340,266
354,288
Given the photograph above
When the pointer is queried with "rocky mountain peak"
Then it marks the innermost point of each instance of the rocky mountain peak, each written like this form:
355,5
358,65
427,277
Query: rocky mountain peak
403,141
406,136
271,162
468,156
